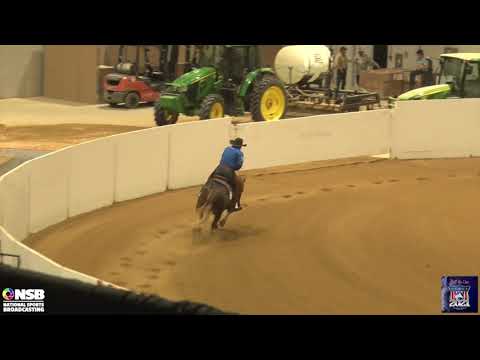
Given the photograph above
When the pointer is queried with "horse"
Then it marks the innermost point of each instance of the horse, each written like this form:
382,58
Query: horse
215,198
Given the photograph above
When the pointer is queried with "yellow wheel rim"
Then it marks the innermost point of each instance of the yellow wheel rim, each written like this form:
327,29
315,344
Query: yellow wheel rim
216,111
272,105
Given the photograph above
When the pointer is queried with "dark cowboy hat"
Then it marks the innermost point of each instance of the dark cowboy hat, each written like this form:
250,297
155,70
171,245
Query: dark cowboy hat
343,48
237,142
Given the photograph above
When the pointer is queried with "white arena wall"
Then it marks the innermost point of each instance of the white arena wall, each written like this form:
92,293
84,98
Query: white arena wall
321,137
436,129
95,174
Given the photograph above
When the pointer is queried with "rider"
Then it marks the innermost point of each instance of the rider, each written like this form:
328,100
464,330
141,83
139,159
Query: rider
231,161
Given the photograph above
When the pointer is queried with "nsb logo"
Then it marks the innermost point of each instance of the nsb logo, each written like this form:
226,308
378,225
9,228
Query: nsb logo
10,294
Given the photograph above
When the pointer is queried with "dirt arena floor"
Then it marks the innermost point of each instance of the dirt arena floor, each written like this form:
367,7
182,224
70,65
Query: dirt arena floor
356,236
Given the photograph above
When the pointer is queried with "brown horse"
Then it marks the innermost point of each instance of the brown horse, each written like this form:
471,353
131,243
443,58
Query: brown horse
215,199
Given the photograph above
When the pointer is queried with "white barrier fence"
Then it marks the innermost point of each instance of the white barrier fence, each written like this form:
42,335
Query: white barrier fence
85,177
313,138
436,129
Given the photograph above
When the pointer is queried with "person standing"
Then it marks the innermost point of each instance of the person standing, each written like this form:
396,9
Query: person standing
340,65
364,63
422,66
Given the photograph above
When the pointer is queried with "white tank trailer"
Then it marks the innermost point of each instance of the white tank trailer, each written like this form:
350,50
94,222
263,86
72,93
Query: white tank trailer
294,64
300,67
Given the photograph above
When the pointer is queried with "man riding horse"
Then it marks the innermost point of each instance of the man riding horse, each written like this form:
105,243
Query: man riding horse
231,161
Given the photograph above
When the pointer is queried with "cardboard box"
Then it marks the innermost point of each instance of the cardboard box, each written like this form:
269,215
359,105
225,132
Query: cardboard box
387,82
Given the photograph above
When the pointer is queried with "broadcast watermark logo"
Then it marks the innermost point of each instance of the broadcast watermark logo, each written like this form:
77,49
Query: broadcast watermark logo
8,294
23,300
459,294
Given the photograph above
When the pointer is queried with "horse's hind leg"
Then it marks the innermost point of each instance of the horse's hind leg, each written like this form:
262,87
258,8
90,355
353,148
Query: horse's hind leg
215,221
223,221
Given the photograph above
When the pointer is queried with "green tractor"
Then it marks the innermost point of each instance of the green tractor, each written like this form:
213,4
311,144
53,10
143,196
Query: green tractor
226,80
459,78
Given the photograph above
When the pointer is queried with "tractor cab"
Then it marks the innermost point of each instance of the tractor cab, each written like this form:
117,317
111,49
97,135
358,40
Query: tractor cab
459,78
232,62
461,73
239,60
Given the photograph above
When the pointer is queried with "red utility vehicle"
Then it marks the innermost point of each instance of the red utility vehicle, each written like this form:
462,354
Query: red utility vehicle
130,87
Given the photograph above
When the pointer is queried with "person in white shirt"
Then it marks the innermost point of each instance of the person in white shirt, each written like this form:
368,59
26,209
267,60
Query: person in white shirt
364,63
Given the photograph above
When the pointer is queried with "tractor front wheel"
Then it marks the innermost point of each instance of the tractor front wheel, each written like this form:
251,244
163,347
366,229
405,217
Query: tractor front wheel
164,117
212,107
268,100
132,100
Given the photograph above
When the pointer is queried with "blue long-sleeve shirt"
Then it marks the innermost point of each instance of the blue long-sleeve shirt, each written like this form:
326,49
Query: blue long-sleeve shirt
232,157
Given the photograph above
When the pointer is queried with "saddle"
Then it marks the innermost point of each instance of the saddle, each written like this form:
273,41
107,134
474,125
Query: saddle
224,182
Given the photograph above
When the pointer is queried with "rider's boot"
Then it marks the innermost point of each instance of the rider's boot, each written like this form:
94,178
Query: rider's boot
236,203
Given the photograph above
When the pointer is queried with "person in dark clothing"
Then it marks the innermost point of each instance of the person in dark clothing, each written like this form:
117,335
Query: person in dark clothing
231,161
340,65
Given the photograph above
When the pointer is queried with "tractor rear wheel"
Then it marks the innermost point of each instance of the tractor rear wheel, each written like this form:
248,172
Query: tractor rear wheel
268,100
132,100
212,107
258,80
164,117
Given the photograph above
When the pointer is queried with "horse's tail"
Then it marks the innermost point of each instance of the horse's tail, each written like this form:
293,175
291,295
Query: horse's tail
206,208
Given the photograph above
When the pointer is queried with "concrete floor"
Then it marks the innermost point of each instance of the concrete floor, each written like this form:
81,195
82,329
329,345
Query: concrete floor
45,111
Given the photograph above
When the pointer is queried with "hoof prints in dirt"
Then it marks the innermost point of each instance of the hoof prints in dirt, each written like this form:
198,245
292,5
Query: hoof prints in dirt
226,235
351,186
422,179
377,182
155,270
141,252
393,180
113,273
287,196
326,189
126,265
238,233
153,277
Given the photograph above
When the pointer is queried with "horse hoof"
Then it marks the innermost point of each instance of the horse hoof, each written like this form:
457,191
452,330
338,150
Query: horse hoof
222,223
